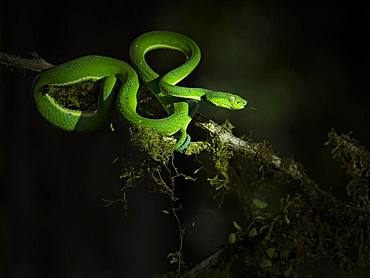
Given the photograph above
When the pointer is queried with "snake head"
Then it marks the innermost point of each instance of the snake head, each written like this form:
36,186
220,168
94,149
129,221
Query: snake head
226,100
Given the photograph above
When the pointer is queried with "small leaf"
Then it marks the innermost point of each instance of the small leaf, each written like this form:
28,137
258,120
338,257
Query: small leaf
173,257
232,238
236,226
266,263
270,252
252,232
111,127
286,219
259,203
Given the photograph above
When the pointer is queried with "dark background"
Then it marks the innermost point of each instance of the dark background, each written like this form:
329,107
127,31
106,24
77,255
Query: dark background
303,66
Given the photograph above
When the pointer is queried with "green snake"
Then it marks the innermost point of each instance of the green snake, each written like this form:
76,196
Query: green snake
179,102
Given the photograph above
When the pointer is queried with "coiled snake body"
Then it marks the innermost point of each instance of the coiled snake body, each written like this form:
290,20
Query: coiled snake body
175,100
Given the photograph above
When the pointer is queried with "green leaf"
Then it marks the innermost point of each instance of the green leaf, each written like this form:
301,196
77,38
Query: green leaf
259,203
266,263
252,232
286,219
236,226
173,257
270,252
232,238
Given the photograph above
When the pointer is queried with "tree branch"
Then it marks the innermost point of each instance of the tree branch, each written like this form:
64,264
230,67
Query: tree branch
34,64
288,168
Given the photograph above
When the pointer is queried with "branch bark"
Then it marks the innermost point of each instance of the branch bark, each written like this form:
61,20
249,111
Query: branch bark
35,64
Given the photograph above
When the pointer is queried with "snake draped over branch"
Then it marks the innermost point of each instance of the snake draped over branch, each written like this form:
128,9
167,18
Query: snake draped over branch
180,103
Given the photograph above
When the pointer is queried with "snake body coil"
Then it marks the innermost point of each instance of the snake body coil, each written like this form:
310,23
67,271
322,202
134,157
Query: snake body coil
177,101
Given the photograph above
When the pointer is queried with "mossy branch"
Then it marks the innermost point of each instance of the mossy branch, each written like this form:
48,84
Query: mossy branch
322,225
313,210
288,168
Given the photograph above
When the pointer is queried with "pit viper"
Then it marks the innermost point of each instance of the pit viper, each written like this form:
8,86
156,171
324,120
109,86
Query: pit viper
178,102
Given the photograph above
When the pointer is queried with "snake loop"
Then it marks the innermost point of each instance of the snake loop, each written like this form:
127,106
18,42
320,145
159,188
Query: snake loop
176,100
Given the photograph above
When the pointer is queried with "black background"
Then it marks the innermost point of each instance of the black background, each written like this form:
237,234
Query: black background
303,66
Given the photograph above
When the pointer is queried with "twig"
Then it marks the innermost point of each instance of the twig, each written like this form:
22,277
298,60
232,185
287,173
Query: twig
198,269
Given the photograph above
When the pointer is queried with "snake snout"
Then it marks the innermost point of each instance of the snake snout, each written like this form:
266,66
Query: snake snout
236,102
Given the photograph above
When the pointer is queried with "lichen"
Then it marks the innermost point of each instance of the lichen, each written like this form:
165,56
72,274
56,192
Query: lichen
158,146
154,158
308,230
356,160
220,154
352,156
